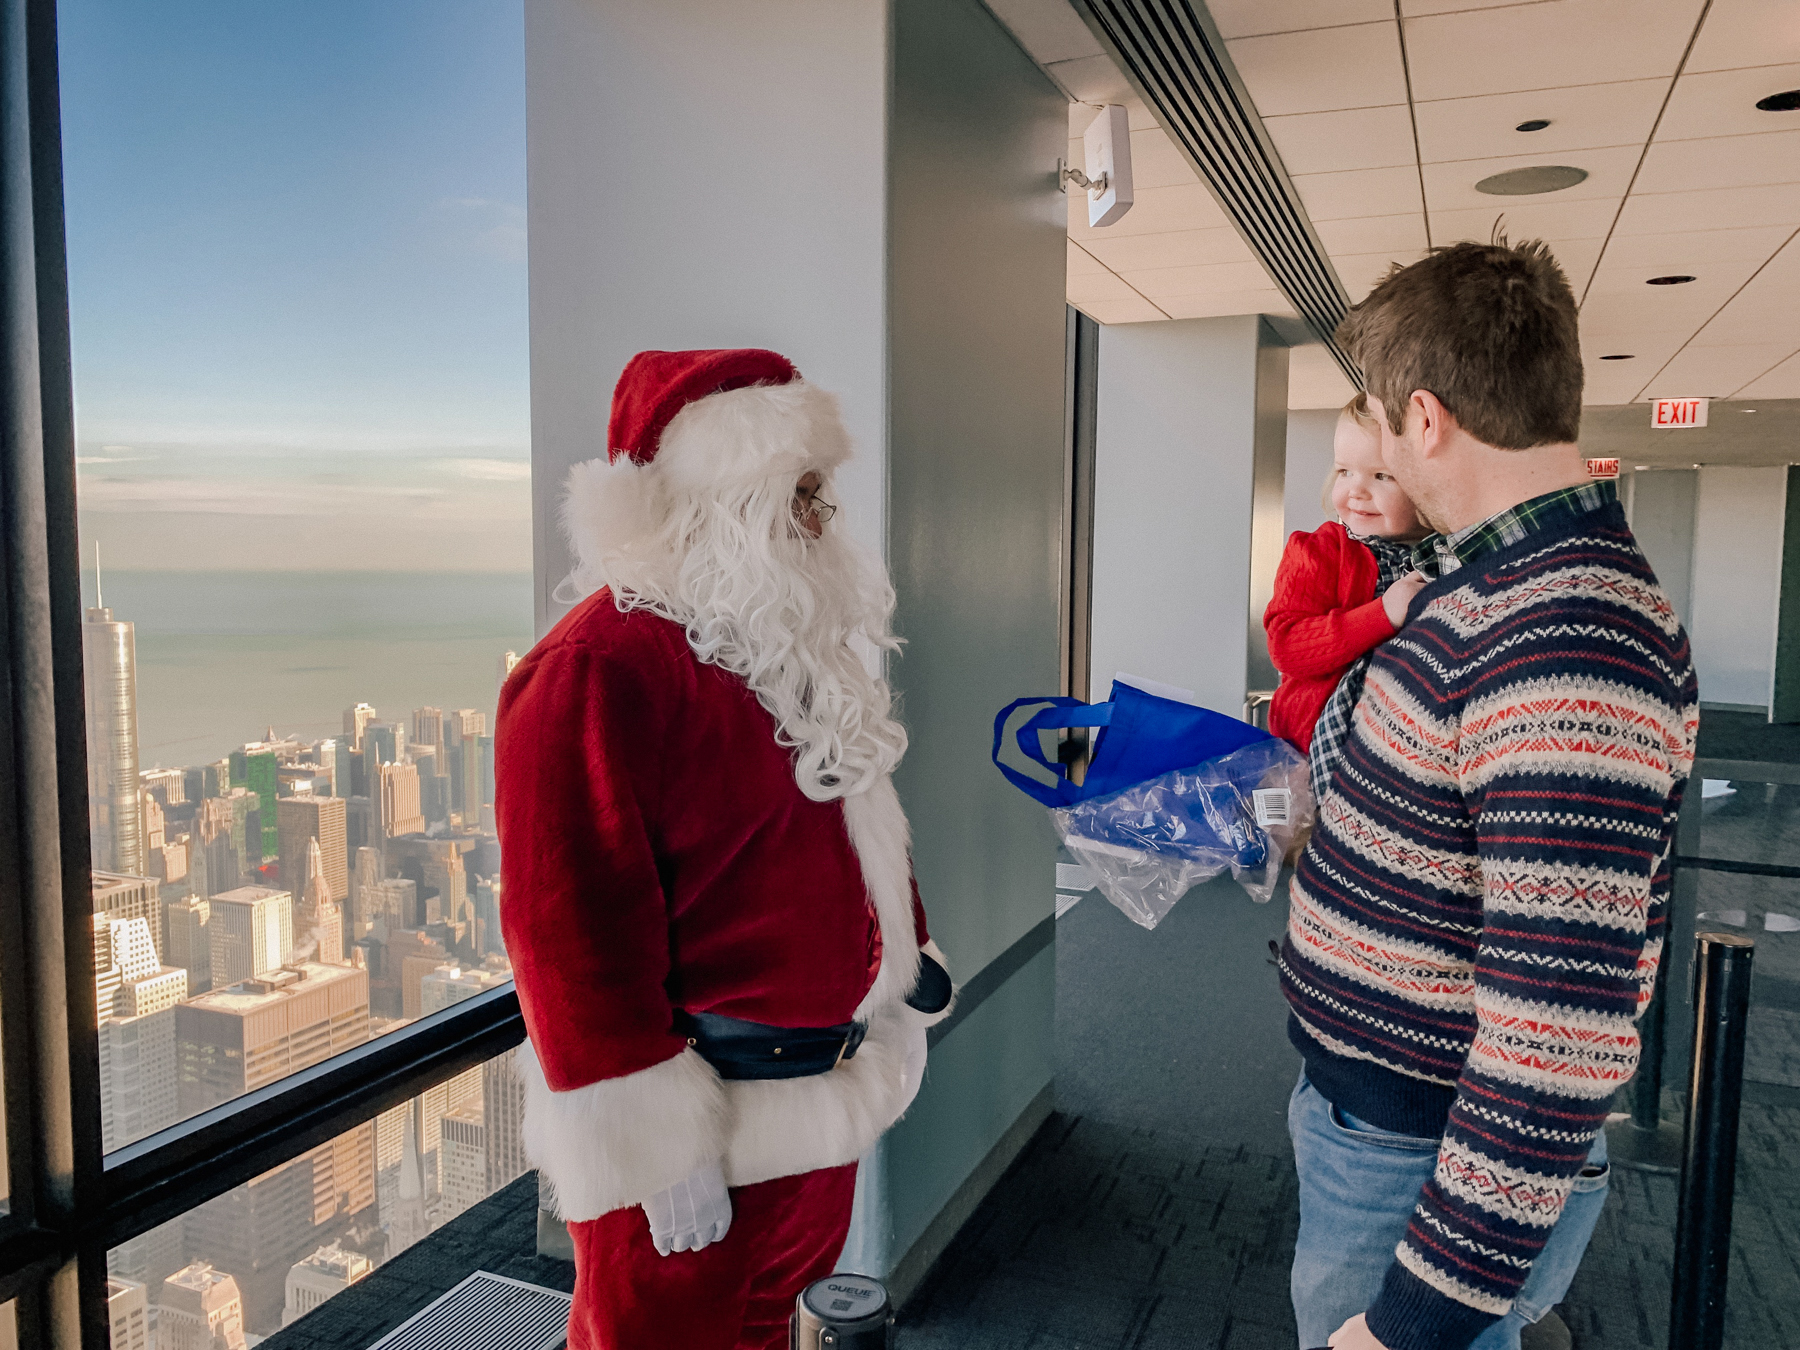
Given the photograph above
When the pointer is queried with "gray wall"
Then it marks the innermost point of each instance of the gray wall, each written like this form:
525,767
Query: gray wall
703,175
1309,433
868,187
975,512
1175,480
1661,505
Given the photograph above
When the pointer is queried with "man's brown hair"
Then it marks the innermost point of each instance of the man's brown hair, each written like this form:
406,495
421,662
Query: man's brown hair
1491,329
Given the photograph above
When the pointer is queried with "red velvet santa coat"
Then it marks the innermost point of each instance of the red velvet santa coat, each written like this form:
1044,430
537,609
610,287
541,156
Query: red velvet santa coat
1324,614
658,854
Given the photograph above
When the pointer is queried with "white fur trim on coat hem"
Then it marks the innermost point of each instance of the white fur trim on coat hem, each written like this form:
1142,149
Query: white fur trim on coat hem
784,1126
619,1141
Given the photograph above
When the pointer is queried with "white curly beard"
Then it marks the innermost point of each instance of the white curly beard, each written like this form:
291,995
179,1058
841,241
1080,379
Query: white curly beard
786,612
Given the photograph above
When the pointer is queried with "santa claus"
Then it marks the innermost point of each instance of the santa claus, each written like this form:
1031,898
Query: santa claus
709,905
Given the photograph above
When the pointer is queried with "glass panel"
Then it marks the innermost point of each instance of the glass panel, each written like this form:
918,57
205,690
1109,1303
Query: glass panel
268,1252
298,295
1750,822
1768,910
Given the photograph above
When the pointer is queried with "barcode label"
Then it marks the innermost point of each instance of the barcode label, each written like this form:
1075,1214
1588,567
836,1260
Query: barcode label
1274,806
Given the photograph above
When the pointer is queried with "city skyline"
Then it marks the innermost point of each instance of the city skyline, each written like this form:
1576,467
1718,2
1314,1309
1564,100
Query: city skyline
287,902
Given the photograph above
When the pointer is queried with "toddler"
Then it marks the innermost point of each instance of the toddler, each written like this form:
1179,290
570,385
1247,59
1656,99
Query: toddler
1340,592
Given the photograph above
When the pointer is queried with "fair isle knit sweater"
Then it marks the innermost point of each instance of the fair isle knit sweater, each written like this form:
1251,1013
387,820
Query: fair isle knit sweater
1477,922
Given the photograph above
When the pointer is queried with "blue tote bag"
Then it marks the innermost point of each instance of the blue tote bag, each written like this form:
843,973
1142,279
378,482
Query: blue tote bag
1144,737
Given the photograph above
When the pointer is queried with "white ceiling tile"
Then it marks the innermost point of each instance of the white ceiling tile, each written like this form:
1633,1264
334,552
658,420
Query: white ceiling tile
1098,286
1361,192
1746,33
1221,303
1322,69
1138,116
1686,249
1545,46
1450,186
1178,248
1720,279
1662,212
1244,18
1082,263
1156,161
1373,234
1767,309
1781,382
1157,210
1356,138
1577,257
1580,118
1315,380
1360,271
1647,351
1049,29
1526,218
1715,372
1722,162
1092,79
1136,310
1413,8
1167,283
1723,102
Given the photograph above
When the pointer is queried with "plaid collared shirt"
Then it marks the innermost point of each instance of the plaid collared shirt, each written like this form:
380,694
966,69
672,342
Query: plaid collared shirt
1326,752
1439,555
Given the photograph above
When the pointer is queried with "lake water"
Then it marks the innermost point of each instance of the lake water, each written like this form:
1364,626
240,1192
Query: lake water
224,656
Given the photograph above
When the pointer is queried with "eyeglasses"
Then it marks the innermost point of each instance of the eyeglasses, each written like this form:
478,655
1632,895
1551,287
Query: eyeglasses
818,507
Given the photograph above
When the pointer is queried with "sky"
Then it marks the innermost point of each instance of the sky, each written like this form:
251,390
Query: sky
297,282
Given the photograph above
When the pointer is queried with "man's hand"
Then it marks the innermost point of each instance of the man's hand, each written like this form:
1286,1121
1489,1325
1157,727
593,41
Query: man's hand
1396,599
691,1214
1355,1334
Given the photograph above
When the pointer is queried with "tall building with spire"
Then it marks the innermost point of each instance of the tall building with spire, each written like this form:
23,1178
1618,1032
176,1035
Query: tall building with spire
321,920
115,822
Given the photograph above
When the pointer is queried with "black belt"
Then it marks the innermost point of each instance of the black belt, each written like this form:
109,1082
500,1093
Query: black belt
743,1050
740,1049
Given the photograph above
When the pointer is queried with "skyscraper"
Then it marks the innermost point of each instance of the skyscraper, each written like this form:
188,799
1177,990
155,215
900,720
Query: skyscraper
320,819
130,897
356,717
187,940
396,792
199,1308
252,932
253,768
109,651
128,1313
462,1161
503,1111
329,1270
320,926
462,736
249,1034
428,730
137,998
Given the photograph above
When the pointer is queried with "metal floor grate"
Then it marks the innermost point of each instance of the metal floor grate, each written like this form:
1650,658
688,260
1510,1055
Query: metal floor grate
486,1312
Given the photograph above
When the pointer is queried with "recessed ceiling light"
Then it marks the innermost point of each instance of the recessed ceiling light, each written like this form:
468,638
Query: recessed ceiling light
1535,124
1621,356
1746,409
1786,101
1642,467
1532,180
1675,280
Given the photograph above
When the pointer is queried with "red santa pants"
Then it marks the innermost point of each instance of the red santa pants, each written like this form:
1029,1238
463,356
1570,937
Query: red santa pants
734,1295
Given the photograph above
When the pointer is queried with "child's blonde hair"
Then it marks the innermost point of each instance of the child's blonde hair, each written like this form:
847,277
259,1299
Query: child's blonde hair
1357,411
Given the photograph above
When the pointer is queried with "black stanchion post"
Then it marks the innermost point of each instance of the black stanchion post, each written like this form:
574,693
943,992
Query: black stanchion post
1709,1146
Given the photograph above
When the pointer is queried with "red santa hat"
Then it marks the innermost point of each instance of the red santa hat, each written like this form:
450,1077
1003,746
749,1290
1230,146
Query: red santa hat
695,422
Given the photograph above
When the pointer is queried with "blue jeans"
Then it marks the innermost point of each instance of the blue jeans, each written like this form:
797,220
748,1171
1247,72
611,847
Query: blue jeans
1358,1185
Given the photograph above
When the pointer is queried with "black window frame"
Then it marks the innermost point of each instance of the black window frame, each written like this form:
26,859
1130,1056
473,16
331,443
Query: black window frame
68,1202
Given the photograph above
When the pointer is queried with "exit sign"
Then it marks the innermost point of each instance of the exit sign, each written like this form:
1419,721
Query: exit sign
1603,468
1667,413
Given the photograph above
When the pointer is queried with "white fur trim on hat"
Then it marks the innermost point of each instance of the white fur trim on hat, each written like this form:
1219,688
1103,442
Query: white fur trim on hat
742,436
621,1140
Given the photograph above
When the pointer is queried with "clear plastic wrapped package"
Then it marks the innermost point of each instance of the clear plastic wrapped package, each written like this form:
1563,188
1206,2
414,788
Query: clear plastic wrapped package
1150,842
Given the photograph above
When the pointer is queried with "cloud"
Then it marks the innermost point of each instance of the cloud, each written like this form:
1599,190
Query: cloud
490,470
484,225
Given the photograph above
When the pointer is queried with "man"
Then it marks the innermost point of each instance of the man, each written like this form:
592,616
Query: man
708,900
1478,920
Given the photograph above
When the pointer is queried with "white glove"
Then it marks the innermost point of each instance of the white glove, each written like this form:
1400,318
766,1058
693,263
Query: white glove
691,1214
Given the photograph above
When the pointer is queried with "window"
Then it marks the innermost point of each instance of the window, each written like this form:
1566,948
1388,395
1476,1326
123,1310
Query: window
297,293
263,1254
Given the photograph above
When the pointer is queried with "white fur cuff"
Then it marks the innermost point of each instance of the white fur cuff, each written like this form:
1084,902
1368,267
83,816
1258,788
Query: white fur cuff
619,1141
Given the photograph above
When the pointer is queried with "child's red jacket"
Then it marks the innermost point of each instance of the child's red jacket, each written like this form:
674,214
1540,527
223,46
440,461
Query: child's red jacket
1324,615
